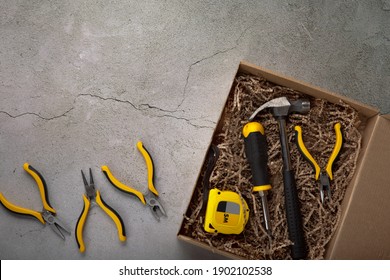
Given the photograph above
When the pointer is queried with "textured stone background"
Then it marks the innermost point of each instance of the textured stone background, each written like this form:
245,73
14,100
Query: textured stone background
82,82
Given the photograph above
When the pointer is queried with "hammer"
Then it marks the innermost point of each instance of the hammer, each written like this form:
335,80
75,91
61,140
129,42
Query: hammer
281,108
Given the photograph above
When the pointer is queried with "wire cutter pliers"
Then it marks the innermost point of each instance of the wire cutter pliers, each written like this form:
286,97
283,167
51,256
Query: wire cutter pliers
47,216
92,195
151,198
323,176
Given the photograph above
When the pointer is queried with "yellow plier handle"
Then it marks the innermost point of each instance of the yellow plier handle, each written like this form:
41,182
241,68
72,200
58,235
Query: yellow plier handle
336,150
80,224
41,186
117,184
108,210
20,210
149,165
43,193
305,153
113,215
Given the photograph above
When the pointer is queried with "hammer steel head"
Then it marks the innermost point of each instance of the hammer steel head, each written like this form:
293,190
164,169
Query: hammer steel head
281,107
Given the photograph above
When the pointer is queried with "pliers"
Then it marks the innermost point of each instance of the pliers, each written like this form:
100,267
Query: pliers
91,196
151,198
47,215
324,176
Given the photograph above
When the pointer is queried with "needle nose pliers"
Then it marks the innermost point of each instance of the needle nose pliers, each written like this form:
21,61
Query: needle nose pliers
92,195
324,176
47,215
151,198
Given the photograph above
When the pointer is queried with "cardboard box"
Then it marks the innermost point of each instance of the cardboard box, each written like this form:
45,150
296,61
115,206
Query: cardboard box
364,229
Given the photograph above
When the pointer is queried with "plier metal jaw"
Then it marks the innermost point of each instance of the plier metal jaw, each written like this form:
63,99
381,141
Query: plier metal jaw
56,224
48,215
324,186
92,196
155,206
323,175
90,190
151,198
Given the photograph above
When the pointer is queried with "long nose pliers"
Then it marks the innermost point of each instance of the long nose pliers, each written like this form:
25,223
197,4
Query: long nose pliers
91,196
48,214
151,198
323,175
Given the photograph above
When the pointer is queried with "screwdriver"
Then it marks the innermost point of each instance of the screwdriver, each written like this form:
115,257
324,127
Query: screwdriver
256,154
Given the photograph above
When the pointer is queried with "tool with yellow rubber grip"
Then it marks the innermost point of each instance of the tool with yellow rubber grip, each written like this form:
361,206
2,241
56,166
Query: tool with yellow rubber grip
151,198
281,108
225,212
256,154
91,196
47,216
324,176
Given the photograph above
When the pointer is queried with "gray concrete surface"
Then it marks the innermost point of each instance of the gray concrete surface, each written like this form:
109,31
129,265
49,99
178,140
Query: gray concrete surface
82,81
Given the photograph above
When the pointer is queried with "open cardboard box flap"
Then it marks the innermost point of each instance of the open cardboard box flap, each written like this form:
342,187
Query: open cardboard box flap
365,226
363,232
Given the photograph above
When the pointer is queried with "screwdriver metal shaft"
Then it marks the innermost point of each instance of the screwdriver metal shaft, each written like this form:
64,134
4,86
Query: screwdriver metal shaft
264,203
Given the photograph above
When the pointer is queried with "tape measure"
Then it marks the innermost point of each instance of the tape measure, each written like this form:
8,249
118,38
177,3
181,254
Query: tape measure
226,213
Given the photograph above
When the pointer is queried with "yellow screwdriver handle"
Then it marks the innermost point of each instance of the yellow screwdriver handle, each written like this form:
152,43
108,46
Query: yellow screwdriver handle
80,224
41,186
117,184
113,215
336,149
305,153
256,153
20,210
149,165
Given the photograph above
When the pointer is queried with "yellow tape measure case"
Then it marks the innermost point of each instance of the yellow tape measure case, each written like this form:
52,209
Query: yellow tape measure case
227,212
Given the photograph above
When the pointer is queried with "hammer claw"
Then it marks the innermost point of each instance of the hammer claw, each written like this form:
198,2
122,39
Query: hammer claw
277,102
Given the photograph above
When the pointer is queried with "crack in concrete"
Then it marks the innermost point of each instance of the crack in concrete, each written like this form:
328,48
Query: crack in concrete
127,102
158,108
138,108
37,115
107,98
184,94
237,43
148,106
188,121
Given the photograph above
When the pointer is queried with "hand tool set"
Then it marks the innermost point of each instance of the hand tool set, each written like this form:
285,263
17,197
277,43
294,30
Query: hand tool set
246,172
268,143
91,197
